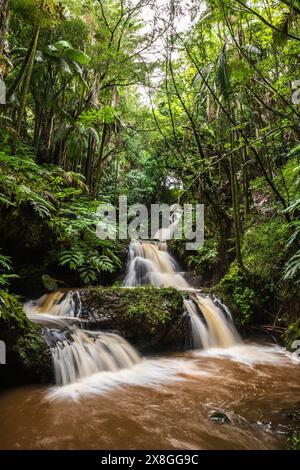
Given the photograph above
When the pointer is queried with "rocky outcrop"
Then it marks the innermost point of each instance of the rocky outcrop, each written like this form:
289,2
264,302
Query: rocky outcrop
149,318
23,349
152,319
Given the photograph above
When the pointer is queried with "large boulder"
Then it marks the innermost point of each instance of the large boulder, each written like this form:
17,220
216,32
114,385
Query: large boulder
27,358
150,318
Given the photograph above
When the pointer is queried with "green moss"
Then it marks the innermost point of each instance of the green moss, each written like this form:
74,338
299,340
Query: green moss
149,304
293,333
294,438
155,305
234,285
148,317
264,248
259,294
27,356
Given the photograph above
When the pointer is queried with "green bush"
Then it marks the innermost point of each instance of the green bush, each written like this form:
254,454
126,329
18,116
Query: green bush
234,284
264,248
292,333
61,202
205,258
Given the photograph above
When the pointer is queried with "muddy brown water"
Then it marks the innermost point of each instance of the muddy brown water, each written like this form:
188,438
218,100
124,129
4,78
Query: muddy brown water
163,403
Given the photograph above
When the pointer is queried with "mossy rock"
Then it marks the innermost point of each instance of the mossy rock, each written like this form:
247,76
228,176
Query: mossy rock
292,333
27,356
150,318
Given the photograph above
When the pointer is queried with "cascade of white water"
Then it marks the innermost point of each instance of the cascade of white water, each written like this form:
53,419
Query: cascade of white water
200,334
150,263
84,354
77,353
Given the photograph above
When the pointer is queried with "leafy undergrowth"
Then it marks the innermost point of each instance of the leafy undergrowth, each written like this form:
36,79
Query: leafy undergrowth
27,358
294,438
58,200
262,293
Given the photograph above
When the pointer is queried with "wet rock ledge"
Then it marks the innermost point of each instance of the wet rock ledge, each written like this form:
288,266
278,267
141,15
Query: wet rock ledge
152,319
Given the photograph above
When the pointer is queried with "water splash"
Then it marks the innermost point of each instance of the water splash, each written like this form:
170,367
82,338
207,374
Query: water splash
150,263
85,354
77,353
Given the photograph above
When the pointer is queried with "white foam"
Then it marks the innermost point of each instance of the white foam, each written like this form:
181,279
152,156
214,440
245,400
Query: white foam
156,372
147,373
252,354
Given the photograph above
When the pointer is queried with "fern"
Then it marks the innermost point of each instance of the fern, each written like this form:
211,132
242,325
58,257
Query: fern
88,275
88,262
5,265
73,259
60,197
36,200
105,264
5,262
292,267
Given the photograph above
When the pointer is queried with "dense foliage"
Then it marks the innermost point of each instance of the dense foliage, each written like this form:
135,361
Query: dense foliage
106,98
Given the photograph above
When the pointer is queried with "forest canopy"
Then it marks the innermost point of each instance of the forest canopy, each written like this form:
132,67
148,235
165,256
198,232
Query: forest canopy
163,101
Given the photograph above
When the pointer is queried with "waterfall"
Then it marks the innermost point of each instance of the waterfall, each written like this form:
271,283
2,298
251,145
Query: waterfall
59,303
200,334
85,354
77,353
150,263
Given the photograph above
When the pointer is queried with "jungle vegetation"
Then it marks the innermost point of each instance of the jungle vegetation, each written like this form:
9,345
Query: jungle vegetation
101,98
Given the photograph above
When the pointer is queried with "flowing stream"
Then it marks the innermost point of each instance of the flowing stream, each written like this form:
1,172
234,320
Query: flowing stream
221,394
150,263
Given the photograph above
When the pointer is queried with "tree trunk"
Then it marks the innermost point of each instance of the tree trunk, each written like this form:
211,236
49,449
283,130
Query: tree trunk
4,19
3,22
246,183
89,160
26,83
100,158
236,215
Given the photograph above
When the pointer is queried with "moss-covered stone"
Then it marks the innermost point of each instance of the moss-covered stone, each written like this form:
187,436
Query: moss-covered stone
255,302
149,317
27,356
292,333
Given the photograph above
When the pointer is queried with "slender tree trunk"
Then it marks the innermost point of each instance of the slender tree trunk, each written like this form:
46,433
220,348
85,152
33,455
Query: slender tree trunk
49,155
276,192
89,160
26,83
4,20
236,214
100,158
189,115
246,183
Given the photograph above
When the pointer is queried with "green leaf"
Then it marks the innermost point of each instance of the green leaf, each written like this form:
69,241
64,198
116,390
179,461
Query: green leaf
77,56
294,151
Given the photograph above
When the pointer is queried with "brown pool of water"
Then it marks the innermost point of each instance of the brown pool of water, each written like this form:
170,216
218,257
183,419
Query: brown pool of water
163,403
